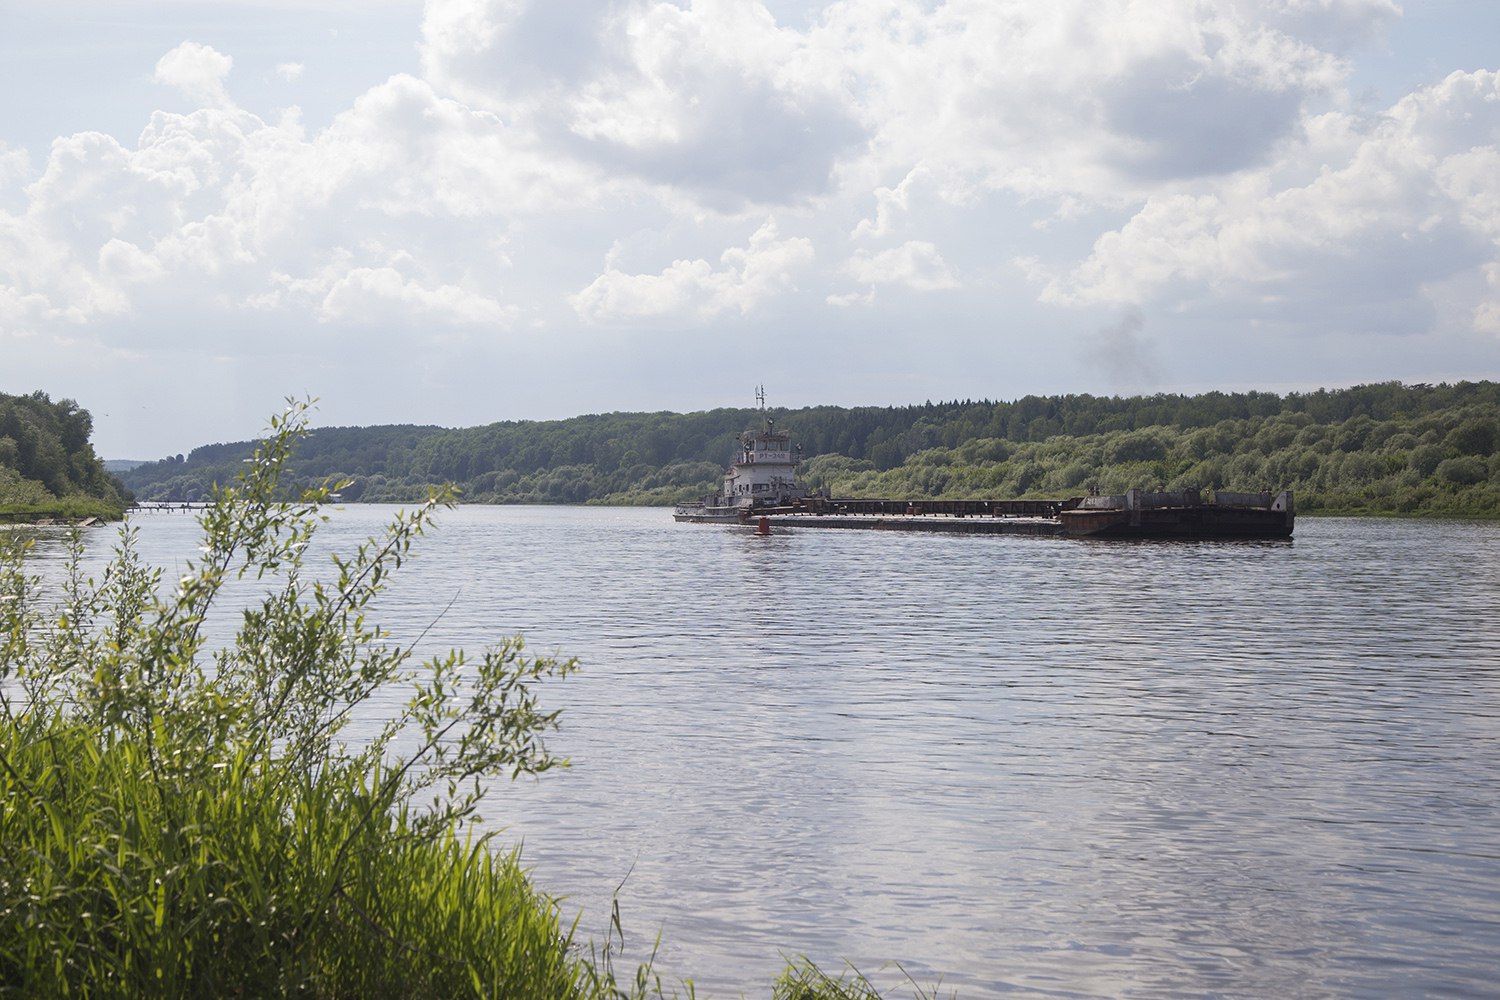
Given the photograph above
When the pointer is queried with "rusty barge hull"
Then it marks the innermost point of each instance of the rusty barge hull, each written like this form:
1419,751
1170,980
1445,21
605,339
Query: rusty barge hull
1134,514
1187,522
902,522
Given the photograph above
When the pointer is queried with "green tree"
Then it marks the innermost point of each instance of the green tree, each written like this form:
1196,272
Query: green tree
1475,436
1465,470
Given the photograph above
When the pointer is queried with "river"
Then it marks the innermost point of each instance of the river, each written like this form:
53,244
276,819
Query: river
1018,766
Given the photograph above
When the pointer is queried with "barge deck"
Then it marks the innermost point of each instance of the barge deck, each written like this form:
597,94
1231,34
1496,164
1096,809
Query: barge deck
1134,514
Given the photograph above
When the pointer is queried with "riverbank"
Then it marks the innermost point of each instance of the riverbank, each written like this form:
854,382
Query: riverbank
72,510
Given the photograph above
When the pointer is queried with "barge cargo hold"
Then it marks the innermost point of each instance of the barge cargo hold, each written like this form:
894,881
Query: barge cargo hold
1134,514
1138,514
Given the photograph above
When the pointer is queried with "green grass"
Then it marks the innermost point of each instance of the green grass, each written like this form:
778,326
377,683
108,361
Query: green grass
235,879
804,980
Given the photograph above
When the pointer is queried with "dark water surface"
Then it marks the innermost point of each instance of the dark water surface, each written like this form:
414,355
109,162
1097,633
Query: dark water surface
1031,767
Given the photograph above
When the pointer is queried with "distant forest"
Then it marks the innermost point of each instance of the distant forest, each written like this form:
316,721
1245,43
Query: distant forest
47,465
1384,448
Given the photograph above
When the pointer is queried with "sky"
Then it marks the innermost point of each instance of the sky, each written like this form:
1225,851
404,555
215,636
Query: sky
463,211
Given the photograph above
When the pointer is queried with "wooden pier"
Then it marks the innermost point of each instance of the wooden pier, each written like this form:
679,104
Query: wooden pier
168,507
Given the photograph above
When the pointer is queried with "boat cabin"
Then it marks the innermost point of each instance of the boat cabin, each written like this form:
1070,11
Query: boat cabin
765,468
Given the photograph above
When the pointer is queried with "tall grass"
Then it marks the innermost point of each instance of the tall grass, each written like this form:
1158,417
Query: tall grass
236,882
804,980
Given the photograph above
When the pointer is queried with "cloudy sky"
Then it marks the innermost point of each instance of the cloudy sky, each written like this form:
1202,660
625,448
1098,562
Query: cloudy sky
474,210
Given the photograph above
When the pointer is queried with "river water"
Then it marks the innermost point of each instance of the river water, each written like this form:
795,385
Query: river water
1016,766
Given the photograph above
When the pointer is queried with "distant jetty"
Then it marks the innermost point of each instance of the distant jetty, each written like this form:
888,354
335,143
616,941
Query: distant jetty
169,506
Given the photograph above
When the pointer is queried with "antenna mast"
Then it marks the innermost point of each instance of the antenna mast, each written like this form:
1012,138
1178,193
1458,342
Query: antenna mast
760,397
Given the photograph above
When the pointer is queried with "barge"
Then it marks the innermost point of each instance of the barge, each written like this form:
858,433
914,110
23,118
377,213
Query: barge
1185,514
760,489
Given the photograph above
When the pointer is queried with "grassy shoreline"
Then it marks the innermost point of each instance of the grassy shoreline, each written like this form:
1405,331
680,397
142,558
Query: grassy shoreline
70,510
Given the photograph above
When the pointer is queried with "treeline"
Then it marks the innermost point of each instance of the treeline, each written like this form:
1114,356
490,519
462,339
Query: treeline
47,465
1378,448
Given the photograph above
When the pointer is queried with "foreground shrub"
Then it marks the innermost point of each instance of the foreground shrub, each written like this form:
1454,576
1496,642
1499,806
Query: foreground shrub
180,822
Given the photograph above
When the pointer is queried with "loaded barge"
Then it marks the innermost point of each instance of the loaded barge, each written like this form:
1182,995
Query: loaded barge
760,489
1133,514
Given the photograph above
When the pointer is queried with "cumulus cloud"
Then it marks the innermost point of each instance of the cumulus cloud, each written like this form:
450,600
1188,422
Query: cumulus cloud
713,100
915,264
1487,312
890,204
746,277
1075,99
1391,207
15,165
1333,25
425,153
233,211
55,255
368,295
291,72
199,71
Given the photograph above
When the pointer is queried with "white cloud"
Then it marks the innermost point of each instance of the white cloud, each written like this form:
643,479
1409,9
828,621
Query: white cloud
1487,312
1095,99
225,207
694,288
890,203
1391,206
1189,114
199,71
368,295
713,99
1103,101
291,72
915,264
1335,25
15,166
128,263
